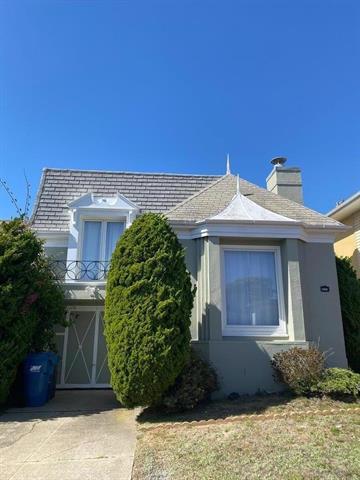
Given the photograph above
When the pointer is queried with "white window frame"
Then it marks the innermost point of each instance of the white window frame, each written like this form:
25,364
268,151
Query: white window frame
255,330
92,207
104,221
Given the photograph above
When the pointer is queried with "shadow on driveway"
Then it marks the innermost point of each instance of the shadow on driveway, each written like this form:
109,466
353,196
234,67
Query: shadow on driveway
70,403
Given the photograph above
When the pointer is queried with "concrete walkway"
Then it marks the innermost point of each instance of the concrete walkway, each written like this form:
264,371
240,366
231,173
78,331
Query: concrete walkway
77,435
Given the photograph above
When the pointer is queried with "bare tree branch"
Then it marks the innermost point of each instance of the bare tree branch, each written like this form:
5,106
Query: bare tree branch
13,199
24,213
27,198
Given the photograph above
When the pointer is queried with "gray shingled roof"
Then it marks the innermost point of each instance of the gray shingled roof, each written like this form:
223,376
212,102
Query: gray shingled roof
215,197
154,192
185,198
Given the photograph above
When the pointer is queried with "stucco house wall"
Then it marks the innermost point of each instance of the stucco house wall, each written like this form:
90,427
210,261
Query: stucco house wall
323,321
243,363
313,316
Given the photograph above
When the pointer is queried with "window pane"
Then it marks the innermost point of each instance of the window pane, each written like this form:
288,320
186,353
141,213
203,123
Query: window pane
91,248
88,268
113,232
250,288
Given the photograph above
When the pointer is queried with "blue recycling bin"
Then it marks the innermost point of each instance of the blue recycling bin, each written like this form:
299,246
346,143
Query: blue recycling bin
37,370
53,362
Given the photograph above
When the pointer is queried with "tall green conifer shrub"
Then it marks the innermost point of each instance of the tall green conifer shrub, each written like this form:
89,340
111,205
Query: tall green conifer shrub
149,298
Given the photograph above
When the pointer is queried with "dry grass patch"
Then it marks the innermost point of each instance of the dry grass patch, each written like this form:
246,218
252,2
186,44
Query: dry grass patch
303,446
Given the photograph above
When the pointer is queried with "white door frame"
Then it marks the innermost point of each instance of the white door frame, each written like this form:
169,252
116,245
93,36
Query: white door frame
92,384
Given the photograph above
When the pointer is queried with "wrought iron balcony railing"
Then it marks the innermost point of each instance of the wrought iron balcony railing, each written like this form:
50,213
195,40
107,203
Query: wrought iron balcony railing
80,270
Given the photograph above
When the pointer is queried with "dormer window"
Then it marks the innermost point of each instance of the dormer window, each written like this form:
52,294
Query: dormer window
99,242
96,224
99,239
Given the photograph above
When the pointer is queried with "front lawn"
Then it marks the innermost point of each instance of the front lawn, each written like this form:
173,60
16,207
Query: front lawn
263,437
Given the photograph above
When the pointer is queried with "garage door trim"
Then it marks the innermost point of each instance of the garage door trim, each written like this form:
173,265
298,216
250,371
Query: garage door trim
94,374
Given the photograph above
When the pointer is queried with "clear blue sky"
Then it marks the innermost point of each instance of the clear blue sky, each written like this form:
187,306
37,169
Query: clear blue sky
174,85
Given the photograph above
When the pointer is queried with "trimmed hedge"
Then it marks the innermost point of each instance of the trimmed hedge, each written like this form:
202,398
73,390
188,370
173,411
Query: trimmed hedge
148,304
349,289
31,301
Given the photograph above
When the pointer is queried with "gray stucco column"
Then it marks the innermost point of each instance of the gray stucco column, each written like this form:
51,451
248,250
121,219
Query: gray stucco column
296,324
214,306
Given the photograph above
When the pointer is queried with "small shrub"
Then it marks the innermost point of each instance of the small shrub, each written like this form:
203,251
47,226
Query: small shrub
193,386
299,369
339,381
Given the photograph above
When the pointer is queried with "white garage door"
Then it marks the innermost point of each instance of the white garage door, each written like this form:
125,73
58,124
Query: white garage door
83,350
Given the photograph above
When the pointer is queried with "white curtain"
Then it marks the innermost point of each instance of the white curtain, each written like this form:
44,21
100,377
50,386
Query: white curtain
91,245
250,288
113,232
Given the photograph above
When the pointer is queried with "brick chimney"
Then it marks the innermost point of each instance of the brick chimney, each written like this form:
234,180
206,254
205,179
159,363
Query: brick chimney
285,181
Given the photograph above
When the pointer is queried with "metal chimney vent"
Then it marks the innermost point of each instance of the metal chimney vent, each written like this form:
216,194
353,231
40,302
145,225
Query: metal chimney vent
278,161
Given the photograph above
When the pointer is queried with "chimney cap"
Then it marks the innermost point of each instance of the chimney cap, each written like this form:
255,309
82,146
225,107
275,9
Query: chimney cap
278,161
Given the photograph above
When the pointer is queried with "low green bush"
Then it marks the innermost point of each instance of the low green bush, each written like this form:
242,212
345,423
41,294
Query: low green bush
338,381
194,385
300,369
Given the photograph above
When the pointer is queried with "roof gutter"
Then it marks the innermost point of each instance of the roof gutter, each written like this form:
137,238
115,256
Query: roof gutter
319,233
346,208
193,224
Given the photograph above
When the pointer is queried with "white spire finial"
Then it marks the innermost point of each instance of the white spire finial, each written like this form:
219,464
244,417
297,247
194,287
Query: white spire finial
228,164
237,185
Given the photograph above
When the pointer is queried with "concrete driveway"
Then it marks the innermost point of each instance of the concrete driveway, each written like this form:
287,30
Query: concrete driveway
77,435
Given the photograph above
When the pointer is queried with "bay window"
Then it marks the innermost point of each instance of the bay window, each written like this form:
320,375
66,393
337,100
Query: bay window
252,291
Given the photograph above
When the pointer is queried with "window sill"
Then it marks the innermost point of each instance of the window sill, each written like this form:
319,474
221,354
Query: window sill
92,283
261,331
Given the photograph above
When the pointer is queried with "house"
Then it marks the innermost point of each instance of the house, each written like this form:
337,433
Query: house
348,243
263,265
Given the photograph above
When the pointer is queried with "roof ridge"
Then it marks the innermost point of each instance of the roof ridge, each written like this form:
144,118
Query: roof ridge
198,193
124,172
